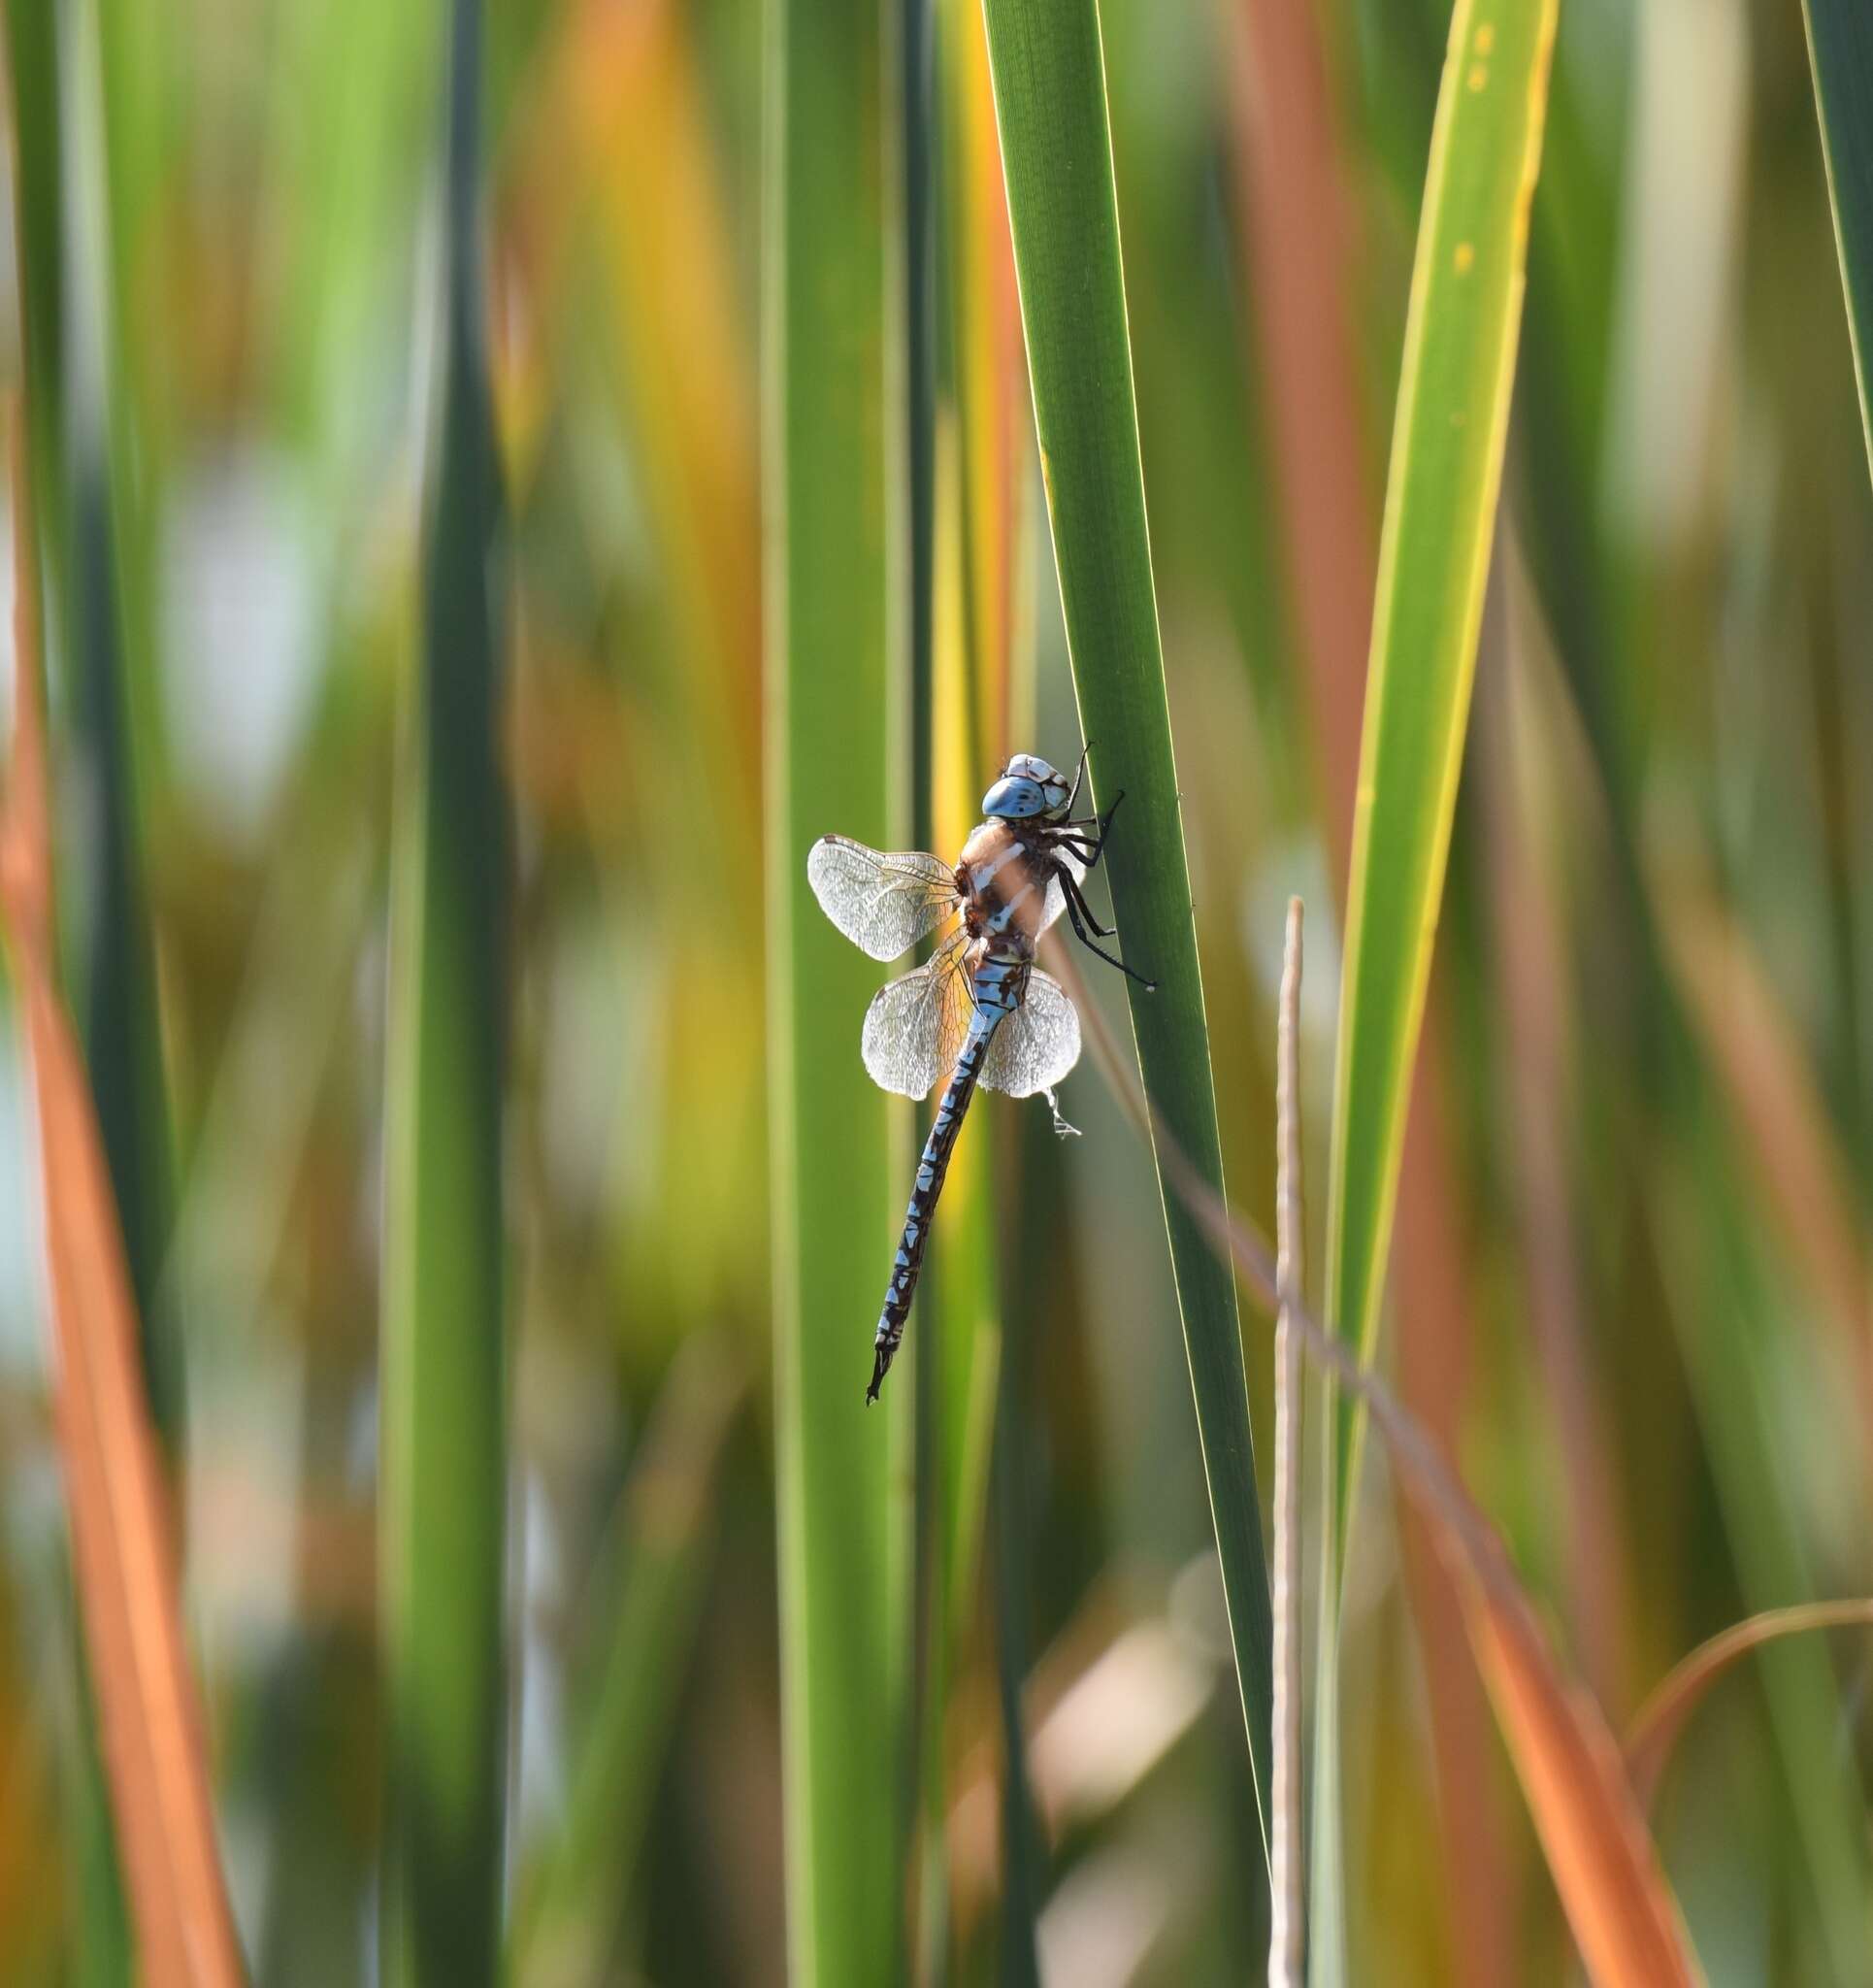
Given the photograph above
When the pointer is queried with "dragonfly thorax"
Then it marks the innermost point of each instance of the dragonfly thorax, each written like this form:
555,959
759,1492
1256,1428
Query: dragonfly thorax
1002,877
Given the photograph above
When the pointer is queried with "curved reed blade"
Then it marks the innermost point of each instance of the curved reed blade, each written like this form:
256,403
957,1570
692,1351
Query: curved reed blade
1662,1719
1048,68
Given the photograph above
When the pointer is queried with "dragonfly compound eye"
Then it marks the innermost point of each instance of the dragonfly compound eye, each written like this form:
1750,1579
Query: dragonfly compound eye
1015,797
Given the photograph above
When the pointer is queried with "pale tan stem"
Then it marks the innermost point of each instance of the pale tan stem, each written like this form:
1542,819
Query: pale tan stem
1287,1927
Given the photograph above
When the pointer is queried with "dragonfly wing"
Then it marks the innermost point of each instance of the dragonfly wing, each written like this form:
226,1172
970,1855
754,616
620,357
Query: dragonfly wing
1057,898
914,1027
884,904
1037,1045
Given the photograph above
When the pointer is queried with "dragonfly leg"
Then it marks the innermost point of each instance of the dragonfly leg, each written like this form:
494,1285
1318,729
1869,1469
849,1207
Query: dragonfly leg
1062,1130
1069,884
1075,907
1089,846
1079,774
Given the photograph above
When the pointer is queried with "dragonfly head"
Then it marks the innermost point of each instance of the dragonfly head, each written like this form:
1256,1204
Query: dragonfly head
1028,790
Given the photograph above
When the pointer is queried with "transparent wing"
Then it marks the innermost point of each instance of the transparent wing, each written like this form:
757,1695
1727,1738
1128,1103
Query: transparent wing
884,904
1057,901
1037,1045
914,1027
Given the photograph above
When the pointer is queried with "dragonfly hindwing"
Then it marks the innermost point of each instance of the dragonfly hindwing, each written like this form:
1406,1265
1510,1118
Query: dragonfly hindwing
1037,1045
914,1027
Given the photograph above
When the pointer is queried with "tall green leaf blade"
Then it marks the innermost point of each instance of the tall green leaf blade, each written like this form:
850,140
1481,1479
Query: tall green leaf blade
41,219
1456,377
443,1417
1049,78
838,1152
110,653
1840,50
1453,409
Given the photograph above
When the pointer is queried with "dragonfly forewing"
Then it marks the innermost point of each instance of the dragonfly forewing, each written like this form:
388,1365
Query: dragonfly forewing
883,903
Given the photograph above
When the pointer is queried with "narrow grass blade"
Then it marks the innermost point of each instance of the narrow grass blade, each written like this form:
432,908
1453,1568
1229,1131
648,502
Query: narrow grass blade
651,1581
443,1355
837,1141
1049,78
121,1527
1840,51
1662,1719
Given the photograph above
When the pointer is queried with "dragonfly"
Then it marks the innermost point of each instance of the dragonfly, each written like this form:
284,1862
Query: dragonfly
980,1012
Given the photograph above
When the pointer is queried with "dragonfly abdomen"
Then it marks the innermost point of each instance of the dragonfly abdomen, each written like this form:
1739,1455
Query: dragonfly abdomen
931,1170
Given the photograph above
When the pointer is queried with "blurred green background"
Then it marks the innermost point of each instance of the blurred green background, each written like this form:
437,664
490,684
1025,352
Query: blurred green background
1632,1271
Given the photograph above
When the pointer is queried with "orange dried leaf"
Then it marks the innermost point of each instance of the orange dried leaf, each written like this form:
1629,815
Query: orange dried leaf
123,1556
1592,1828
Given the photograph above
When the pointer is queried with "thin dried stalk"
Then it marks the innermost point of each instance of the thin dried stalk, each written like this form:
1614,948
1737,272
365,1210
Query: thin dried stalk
1287,1926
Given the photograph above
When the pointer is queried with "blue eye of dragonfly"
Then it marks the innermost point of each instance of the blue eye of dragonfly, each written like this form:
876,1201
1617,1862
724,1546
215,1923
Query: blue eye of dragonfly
980,1011
1029,789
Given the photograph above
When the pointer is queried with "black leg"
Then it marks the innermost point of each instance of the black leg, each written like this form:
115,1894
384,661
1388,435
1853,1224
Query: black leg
1070,886
1071,893
1096,842
1079,774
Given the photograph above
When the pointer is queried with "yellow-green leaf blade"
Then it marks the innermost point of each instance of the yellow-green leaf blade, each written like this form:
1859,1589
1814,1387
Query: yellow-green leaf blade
1446,468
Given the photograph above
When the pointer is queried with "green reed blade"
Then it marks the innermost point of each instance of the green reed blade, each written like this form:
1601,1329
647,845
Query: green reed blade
1458,369
843,1478
1050,105
109,668
1455,375
443,1416
1840,50
41,218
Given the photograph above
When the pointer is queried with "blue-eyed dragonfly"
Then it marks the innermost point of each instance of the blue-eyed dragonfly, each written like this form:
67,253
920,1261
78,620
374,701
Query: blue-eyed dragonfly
980,1011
